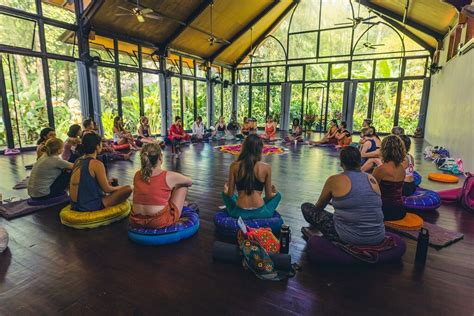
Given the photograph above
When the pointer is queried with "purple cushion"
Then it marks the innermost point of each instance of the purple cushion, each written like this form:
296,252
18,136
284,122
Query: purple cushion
52,201
323,251
422,199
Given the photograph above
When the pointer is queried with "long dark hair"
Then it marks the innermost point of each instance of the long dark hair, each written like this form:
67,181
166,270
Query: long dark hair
117,124
44,134
250,154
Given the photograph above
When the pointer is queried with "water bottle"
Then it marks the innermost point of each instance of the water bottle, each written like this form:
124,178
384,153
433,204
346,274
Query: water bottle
285,236
422,246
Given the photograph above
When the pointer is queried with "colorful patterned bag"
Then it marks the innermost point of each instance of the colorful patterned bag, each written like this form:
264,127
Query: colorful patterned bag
262,236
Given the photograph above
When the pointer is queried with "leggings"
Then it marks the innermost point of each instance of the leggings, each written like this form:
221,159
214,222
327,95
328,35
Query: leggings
58,187
265,211
321,219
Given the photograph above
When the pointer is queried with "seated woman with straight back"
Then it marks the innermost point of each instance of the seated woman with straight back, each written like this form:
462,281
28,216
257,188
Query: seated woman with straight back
355,195
270,129
121,135
390,176
144,134
220,129
70,145
158,195
90,190
251,177
409,186
50,174
296,132
330,137
369,149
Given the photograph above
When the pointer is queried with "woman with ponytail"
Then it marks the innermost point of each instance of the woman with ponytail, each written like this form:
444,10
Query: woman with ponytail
50,174
158,195
251,177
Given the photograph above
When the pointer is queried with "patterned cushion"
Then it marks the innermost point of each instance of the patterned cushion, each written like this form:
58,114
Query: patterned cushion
422,199
227,225
94,219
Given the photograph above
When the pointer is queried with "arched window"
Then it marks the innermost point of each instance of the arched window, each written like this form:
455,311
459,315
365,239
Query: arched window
271,49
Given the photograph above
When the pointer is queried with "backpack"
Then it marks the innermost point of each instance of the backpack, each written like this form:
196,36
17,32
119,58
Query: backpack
450,165
466,198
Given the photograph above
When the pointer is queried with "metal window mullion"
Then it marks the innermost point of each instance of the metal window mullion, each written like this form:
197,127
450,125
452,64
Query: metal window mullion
5,110
118,86
399,93
141,95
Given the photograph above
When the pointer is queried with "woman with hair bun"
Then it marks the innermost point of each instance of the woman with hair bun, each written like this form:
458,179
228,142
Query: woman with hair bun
49,177
390,176
158,195
45,134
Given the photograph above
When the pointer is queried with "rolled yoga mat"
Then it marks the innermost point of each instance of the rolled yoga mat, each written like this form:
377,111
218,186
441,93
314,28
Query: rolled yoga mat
230,253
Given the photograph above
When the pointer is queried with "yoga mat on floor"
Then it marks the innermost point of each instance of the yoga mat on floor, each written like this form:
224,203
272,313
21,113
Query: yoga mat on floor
23,184
439,237
23,207
230,253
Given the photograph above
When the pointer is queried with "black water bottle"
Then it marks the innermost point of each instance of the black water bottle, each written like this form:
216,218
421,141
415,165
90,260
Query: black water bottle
285,236
422,246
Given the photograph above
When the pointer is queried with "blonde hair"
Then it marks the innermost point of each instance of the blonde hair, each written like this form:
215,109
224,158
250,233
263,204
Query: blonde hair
52,146
393,149
149,156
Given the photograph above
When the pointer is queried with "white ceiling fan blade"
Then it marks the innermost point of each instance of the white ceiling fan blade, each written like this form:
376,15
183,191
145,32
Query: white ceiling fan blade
122,8
140,18
124,14
146,11
153,16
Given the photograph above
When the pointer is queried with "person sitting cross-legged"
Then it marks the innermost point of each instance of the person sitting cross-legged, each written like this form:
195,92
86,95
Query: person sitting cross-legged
355,195
251,177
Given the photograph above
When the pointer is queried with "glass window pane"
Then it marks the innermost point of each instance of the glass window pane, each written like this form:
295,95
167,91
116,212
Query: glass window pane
201,94
315,104
108,99
172,65
188,104
227,74
361,104
415,67
65,95
410,105
277,74
152,101
130,100
295,73
188,68
128,54
175,98
335,42
385,98
59,12
150,62
387,68
24,5
295,103
339,71
243,103
259,75
259,104
60,41
336,93
335,12
303,45
99,49
201,71
19,32
270,50
306,16
227,102
316,72
243,75
3,134
275,102
362,69
26,97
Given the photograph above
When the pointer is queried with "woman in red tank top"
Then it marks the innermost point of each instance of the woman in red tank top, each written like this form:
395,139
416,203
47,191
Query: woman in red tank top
270,129
158,195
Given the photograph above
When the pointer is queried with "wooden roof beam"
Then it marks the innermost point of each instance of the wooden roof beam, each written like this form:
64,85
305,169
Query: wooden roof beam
267,31
245,29
399,18
191,18
410,34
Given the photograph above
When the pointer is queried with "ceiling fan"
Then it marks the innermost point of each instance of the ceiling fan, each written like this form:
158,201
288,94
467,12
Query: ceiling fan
139,12
358,20
213,39
370,45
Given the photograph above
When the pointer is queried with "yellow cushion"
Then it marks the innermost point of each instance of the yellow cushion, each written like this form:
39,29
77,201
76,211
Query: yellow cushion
94,219
409,222
443,177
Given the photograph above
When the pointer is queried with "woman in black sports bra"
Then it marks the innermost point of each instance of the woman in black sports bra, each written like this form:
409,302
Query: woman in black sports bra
251,177
220,129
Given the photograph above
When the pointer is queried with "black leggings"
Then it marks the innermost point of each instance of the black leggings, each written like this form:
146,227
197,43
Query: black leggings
321,219
59,186
408,188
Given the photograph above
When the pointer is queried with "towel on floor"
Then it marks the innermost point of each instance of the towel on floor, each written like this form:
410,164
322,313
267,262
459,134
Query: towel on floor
26,206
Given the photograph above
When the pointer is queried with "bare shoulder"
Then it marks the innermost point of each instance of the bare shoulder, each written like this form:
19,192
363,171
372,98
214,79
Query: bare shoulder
371,179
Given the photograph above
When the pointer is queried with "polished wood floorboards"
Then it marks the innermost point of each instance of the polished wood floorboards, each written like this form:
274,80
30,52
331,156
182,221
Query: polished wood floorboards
51,269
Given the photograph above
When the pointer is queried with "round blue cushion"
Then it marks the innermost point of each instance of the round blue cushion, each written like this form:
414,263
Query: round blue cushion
227,225
417,178
186,227
422,199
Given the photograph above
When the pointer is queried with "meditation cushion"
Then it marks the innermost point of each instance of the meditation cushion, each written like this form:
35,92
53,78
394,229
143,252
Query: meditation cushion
94,219
443,177
3,239
121,147
450,195
51,201
417,178
227,225
322,251
409,222
186,227
422,199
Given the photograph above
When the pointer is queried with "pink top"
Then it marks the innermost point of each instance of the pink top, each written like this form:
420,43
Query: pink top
155,192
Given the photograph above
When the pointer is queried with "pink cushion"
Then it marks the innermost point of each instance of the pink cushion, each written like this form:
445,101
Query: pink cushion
450,195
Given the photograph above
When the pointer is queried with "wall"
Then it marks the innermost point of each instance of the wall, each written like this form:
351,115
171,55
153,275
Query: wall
450,118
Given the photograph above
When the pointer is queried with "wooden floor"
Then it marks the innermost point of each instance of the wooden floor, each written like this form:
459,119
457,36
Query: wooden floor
52,269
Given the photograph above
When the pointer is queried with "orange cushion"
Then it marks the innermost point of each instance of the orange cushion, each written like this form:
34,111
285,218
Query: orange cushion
409,222
443,177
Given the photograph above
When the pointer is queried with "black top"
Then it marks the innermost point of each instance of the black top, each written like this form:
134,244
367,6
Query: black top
257,185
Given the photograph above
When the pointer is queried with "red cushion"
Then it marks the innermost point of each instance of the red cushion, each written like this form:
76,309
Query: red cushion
121,147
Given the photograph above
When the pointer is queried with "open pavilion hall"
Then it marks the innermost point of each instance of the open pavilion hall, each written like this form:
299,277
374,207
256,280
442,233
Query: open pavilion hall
299,157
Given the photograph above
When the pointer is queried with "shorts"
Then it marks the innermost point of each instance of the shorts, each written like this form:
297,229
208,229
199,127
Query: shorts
164,218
